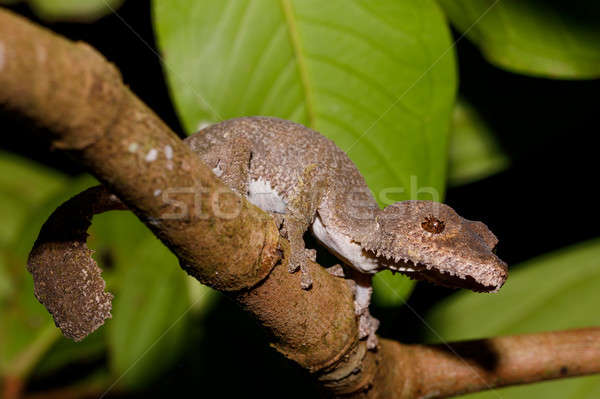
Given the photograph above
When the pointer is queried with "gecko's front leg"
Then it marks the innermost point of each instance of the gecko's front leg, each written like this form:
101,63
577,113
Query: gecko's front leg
299,255
302,208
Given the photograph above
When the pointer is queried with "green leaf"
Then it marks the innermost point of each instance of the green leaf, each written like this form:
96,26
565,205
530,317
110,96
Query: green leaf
38,216
149,314
5,286
202,297
376,77
390,289
554,292
474,153
118,239
554,39
26,329
66,352
23,185
73,10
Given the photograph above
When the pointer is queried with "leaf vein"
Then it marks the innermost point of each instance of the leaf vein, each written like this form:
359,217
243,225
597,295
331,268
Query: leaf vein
290,19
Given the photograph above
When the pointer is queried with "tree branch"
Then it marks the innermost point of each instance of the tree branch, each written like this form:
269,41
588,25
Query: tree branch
78,97
227,243
439,371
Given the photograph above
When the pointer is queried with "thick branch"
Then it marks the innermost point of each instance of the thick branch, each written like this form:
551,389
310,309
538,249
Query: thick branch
69,89
78,97
439,371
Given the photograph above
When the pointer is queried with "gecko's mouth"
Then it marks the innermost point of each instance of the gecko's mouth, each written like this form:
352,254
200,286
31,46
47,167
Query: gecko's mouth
436,274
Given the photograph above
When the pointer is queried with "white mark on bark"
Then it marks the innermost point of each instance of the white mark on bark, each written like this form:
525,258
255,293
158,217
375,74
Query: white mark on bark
168,152
152,155
133,147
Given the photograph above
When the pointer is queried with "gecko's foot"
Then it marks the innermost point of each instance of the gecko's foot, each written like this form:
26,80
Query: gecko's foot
367,326
306,281
311,254
300,263
337,271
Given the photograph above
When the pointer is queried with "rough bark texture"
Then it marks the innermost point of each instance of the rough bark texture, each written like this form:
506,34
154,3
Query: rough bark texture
440,371
75,94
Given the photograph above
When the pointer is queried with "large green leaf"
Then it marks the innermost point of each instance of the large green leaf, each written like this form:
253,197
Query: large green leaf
149,313
376,77
556,291
552,38
474,152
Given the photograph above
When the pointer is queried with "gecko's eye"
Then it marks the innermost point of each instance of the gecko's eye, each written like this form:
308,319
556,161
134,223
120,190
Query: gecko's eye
433,225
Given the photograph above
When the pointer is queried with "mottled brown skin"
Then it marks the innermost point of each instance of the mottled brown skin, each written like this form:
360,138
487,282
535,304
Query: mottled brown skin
319,184
66,278
460,256
282,152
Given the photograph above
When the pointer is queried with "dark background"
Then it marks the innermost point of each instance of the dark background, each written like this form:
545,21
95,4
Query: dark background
543,202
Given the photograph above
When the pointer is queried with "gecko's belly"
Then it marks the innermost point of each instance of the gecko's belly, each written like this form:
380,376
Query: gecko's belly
344,248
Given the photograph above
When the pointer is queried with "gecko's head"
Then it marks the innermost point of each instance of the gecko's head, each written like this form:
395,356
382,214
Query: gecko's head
430,241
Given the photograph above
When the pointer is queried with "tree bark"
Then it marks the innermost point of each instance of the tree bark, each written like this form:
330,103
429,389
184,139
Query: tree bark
72,92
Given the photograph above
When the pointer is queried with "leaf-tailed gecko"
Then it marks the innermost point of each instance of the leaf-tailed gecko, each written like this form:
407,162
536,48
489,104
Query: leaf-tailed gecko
309,184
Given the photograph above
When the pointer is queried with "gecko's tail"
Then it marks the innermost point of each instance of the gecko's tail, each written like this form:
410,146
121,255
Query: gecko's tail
67,280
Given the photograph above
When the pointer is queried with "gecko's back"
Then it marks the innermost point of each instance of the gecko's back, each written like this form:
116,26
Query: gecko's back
281,150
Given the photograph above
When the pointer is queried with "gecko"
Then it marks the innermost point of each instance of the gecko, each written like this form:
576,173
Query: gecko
308,184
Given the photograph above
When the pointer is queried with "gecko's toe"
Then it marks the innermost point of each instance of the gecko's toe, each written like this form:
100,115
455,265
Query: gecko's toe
306,283
306,280
372,342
